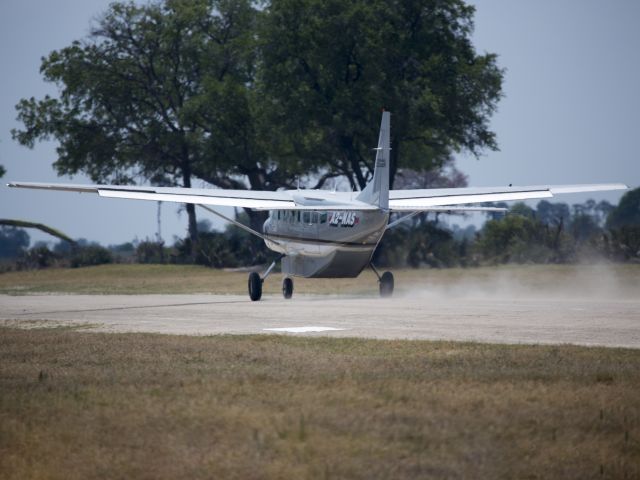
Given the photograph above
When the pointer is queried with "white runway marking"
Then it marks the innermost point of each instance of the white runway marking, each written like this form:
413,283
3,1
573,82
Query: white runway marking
302,329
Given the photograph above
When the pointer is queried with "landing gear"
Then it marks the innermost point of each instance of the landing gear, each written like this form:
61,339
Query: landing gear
386,284
255,286
385,281
287,288
256,281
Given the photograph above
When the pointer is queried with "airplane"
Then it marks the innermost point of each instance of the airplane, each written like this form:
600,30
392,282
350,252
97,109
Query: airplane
329,234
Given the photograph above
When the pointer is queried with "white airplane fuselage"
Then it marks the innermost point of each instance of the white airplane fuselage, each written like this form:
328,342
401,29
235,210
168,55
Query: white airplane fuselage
325,243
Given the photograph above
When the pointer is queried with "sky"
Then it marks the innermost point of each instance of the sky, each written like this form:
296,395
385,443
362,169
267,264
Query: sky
570,112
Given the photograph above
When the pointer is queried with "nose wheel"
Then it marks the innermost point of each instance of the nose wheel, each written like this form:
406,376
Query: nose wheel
255,286
287,288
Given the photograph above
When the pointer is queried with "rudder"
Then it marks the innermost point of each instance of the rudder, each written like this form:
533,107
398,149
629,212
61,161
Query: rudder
377,190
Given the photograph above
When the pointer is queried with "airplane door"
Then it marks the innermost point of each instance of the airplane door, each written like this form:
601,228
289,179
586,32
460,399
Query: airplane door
310,221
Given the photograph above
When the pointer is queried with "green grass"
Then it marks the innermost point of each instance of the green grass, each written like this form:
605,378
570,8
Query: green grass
89,405
138,279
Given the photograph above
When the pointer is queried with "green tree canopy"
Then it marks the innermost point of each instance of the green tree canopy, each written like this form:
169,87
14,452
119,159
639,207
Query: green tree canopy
627,213
331,65
13,241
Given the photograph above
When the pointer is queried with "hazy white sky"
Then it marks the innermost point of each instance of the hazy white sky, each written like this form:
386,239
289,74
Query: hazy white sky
571,112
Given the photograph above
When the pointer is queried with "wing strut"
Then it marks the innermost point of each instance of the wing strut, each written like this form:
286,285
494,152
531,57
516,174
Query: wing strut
403,219
238,224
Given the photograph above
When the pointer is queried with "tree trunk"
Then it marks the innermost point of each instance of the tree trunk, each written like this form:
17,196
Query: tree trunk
393,161
193,223
191,208
257,218
352,162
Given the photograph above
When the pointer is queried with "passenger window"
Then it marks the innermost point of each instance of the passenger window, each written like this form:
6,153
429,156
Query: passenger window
306,217
323,217
278,214
298,215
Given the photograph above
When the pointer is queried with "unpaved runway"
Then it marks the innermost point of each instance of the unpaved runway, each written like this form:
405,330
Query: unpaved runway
606,322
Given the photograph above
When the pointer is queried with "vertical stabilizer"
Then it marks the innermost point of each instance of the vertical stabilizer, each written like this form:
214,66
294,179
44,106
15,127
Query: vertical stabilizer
377,190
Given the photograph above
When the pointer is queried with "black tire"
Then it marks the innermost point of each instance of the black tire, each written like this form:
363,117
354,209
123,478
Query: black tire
287,288
255,286
386,284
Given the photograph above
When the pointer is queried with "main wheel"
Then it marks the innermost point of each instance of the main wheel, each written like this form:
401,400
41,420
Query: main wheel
255,286
287,288
386,284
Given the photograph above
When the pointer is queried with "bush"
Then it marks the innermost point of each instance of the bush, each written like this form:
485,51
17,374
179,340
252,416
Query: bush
37,257
625,243
423,244
522,239
90,255
230,249
151,252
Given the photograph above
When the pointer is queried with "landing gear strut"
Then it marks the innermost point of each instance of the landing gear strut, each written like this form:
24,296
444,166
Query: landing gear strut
385,281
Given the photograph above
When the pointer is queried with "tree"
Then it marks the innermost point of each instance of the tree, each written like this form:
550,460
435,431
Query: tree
39,226
157,92
446,175
556,214
13,241
623,223
522,209
627,213
332,64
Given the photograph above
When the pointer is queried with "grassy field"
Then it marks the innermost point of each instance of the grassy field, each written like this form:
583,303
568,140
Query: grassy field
88,405
137,279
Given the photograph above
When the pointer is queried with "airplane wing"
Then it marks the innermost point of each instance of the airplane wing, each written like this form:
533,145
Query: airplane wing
258,200
443,200
431,199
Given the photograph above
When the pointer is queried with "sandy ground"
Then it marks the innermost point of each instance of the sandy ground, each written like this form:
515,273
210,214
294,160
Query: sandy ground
583,321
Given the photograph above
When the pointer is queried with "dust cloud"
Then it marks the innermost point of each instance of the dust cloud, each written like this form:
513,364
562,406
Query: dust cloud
535,282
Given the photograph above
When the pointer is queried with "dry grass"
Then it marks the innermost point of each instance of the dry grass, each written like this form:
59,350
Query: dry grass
137,279
87,405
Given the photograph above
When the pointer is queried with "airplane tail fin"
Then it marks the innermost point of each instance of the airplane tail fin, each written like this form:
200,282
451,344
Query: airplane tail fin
377,190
